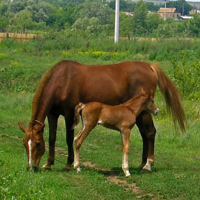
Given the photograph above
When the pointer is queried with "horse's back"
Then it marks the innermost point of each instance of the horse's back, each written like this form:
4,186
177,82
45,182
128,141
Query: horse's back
111,84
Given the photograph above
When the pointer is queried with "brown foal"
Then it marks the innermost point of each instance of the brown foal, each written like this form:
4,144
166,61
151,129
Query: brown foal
121,117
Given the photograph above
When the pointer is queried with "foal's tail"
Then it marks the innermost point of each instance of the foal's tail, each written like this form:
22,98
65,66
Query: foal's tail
78,109
172,98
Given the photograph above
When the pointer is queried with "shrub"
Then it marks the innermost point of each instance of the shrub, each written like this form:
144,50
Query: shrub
187,79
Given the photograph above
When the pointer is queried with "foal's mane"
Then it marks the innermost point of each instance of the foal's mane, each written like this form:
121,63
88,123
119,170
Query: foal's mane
129,102
36,98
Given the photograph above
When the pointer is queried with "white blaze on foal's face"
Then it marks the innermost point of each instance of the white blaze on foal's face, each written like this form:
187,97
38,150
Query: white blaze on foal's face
30,154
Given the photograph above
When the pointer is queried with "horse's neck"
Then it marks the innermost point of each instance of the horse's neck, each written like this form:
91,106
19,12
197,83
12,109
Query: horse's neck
41,109
136,104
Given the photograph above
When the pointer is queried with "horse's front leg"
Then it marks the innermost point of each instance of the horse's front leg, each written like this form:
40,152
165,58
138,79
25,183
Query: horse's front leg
52,120
125,145
69,140
148,132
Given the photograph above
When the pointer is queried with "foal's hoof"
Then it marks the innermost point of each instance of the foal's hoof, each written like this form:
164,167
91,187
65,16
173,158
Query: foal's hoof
78,169
46,167
128,175
67,167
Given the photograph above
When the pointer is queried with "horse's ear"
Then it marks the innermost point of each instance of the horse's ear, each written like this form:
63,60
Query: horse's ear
22,127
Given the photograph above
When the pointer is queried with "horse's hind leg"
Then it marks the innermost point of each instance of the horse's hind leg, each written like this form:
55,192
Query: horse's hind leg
148,132
52,120
78,140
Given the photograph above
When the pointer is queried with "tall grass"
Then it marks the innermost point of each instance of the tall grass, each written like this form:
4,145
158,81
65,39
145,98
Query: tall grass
44,52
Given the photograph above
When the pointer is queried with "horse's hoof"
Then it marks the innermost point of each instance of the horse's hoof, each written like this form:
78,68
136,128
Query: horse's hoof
67,167
141,166
46,167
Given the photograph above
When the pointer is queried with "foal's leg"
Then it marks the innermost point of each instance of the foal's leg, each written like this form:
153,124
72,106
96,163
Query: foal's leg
78,140
52,120
125,143
77,151
148,132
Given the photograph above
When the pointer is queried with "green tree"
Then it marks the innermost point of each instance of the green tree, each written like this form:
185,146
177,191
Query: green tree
4,22
181,5
194,25
22,20
124,6
17,5
152,22
152,7
167,29
3,9
88,14
40,10
126,25
139,18
93,9
60,16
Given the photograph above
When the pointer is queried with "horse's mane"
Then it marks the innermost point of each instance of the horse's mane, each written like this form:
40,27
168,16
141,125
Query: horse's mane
36,98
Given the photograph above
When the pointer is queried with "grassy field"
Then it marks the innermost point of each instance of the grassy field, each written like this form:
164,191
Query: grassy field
177,166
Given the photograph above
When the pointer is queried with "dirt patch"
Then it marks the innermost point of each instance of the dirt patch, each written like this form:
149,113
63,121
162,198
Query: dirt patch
113,177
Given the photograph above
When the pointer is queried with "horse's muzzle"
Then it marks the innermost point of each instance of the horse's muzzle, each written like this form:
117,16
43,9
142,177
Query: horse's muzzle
35,169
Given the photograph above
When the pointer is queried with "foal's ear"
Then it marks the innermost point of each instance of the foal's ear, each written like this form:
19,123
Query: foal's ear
22,127
151,93
142,92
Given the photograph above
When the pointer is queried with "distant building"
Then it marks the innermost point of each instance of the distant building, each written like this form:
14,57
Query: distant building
169,13
193,11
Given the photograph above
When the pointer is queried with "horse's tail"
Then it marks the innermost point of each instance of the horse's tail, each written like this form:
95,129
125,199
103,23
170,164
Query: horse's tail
78,110
172,98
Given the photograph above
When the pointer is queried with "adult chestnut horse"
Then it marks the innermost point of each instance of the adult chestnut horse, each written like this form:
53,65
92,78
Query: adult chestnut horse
67,83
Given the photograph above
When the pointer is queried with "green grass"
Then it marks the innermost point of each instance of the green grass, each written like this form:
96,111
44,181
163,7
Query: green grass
175,173
176,168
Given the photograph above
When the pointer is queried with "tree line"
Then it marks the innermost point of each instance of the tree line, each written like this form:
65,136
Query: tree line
94,17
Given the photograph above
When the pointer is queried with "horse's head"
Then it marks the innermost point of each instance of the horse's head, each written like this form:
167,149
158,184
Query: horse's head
149,102
34,143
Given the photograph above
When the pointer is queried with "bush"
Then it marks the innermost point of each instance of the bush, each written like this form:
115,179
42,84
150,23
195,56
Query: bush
187,79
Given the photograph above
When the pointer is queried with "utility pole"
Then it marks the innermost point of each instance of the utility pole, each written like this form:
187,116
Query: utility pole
117,21
165,17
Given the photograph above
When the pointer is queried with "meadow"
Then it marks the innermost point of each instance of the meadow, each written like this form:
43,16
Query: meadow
175,174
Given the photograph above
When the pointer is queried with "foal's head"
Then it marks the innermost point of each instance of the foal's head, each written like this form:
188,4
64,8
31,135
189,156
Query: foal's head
149,104
34,143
